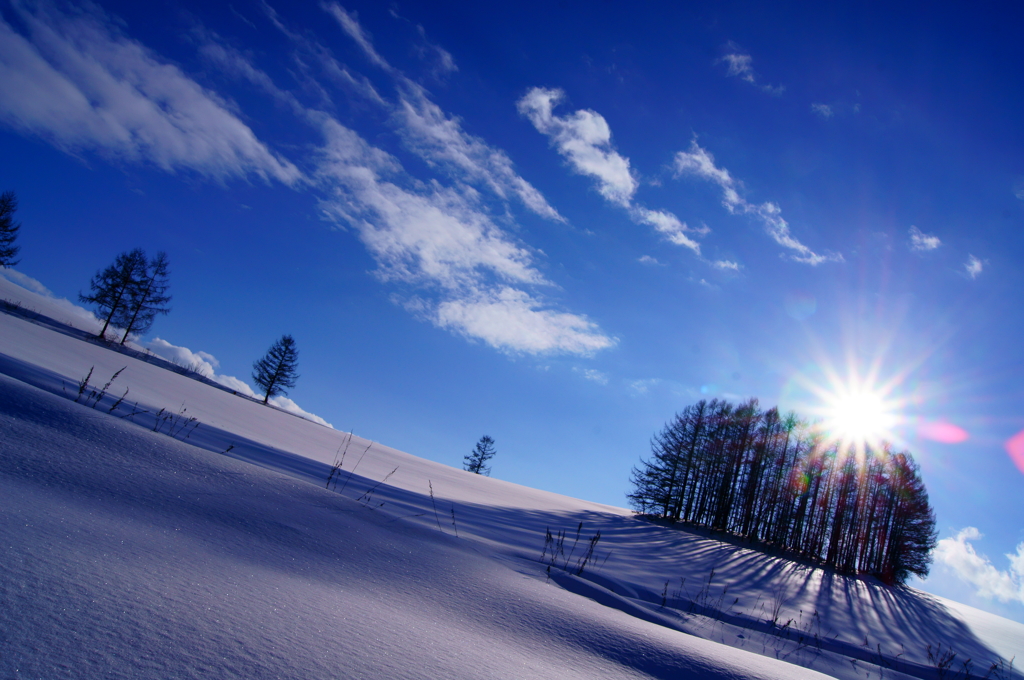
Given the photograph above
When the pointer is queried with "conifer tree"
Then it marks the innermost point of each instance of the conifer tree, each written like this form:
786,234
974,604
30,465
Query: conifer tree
112,288
765,477
147,299
477,459
275,372
8,229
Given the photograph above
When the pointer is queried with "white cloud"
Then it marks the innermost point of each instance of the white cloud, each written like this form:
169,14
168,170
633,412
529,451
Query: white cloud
206,365
442,239
648,260
79,83
921,242
444,59
959,555
726,265
668,225
436,235
350,24
699,162
740,65
584,138
439,138
643,387
440,59
438,238
511,320
973,267
592,374
823,110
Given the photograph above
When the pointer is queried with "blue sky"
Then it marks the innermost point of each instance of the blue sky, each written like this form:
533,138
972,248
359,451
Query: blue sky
560,223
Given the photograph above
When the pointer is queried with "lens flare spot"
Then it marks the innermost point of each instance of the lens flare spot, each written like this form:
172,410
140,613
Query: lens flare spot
942,432
800,305
1015,447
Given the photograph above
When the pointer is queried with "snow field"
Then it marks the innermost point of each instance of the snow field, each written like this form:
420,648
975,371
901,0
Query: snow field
130,553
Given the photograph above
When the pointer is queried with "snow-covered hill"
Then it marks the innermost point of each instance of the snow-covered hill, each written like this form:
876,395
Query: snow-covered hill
138,543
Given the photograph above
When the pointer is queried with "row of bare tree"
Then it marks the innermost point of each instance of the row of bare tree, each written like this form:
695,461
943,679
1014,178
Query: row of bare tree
770,478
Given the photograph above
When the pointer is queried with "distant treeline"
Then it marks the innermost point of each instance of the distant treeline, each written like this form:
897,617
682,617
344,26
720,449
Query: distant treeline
766,477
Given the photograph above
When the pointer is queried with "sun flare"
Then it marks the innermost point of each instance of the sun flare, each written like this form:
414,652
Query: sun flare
855,412
859,417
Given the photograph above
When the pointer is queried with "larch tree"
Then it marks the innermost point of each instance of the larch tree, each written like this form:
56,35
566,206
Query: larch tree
111,289
477,459
768,478
147,299
8,229
276,373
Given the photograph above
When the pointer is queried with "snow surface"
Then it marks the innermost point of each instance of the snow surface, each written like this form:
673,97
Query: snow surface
138,546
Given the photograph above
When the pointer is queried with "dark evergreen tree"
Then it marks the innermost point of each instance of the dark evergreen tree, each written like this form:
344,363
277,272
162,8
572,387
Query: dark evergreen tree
275,372
112,288
8,229
912,534
147,299
477,459
764,476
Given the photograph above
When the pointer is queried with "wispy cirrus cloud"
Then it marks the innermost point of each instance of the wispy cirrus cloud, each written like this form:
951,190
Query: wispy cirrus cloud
584,139
726,265
437,234
510,319
439,138
823,110
643,387
739,64
592,374
462,271
443,241
440,60
959,555
668,225
973,267
81,83
698,162
77,81
922,242
349,23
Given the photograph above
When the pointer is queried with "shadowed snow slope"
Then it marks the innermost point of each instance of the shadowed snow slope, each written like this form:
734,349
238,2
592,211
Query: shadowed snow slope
130,553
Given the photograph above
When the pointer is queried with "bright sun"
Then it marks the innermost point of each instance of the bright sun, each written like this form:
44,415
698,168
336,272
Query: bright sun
858,416
854,410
